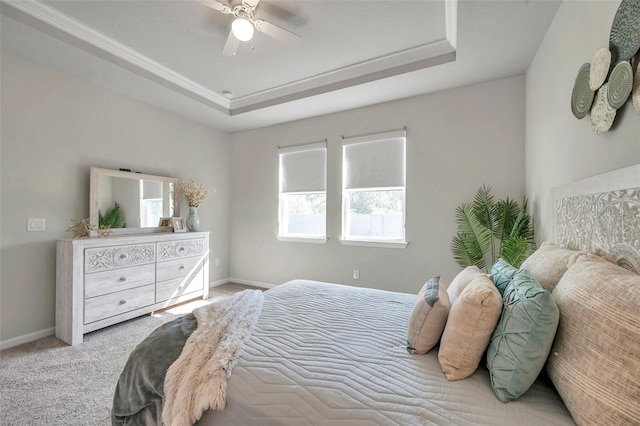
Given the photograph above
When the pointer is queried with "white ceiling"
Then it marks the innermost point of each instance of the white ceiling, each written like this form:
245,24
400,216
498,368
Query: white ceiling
351,53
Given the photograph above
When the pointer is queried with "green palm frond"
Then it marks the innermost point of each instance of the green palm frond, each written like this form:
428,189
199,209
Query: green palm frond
514,250
473,239
488,229
114,218
485,211
508,212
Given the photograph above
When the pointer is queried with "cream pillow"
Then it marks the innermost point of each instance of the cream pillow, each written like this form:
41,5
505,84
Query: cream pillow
548,264
595,359
462,280
471,322
428,317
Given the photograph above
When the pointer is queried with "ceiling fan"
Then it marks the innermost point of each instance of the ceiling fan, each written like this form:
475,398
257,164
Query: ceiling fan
242,27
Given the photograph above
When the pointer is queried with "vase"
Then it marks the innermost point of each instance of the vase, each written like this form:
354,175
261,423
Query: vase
193,220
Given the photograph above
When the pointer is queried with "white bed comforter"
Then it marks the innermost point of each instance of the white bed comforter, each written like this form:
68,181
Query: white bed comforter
327,354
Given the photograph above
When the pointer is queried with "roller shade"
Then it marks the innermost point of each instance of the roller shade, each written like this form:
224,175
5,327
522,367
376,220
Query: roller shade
303,168
375,161
151,190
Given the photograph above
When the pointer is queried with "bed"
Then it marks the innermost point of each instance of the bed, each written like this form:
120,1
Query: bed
329,354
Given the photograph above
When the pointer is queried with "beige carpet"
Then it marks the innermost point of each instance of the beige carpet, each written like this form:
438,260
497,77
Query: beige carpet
47,382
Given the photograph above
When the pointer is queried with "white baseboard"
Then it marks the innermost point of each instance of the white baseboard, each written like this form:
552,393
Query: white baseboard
219,282
26,338
253,283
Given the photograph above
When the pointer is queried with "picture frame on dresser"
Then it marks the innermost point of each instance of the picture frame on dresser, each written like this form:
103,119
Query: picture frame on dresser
178,224
165,221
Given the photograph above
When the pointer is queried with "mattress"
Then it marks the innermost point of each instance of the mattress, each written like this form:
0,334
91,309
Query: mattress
329,354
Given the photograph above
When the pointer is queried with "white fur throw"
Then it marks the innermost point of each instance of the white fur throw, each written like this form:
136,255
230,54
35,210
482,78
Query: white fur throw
197,380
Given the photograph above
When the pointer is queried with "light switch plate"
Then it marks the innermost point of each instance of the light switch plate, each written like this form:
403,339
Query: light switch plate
36,224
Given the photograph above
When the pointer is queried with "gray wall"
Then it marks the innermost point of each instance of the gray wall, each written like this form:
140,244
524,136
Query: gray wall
560,148
456,141
54,128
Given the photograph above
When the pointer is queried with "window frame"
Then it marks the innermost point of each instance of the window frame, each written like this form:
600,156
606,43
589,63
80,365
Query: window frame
346,216
282,235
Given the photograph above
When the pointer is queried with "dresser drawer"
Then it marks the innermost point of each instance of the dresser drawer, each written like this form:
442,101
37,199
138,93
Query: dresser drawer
179,287
168,250
112,304
115,280
107,258
178,268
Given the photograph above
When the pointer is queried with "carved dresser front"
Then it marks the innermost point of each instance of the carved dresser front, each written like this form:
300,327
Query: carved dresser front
104,281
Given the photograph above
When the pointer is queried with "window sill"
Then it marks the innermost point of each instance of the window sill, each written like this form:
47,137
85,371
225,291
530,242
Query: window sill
313,240
376,243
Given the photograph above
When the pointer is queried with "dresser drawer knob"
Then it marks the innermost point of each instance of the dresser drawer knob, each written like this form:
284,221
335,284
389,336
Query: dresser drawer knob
181,268
123,279
122,302
181,248
123,256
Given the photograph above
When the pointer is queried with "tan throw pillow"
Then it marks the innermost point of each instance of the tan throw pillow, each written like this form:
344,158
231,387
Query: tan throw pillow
548,264
471,323
595,360
428,317
462,280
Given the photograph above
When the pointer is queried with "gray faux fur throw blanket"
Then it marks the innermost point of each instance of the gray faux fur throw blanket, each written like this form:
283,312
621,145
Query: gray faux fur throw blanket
208,341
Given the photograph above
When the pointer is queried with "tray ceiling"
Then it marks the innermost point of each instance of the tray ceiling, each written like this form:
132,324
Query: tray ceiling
351,53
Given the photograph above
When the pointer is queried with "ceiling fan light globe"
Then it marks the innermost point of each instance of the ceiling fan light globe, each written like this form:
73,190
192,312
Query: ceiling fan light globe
242,29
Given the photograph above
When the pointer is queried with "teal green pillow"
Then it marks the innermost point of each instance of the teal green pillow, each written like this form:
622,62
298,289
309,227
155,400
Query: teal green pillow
502,274
521,343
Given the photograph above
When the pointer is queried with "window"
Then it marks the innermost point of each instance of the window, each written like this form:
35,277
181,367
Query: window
373,200
303,196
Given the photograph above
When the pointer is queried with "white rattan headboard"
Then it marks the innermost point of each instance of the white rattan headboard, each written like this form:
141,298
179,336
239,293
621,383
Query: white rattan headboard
601,212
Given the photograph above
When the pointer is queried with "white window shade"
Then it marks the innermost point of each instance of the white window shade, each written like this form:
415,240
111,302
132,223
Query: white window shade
303,168
151,190
375,161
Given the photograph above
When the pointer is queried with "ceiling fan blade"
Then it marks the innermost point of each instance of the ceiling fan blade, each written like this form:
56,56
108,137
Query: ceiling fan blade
216,5
231,46
276,32
251,3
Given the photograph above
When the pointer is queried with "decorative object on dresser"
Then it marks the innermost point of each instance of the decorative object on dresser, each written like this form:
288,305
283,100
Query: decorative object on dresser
101,282
195,193
178,224
80,228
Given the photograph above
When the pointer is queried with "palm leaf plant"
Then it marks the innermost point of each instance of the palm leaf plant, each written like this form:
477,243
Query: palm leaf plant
113,218
490,229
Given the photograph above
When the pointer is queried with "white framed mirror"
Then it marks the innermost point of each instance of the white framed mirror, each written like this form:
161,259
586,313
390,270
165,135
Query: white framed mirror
131,202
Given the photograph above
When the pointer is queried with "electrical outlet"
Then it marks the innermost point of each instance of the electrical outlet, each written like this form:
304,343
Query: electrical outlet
34,225
356,274
216,262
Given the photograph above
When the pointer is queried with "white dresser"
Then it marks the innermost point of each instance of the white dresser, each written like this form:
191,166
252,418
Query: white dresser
104,281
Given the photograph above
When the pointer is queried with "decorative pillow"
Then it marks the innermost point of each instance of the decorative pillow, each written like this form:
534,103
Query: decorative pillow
428,317
462,280
472,319
502,274
521,343
595,359
548,264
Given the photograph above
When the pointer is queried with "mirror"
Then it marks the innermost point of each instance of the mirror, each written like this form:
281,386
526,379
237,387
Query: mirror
131,202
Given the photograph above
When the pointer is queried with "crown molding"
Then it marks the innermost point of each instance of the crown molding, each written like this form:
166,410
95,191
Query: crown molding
413,59
61,26
54,23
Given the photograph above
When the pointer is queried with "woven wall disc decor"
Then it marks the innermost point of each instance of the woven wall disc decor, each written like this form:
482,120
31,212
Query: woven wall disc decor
620,84
602,115
582,95
600,65
623,39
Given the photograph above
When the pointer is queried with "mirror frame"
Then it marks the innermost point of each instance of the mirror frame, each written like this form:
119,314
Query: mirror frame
96,172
